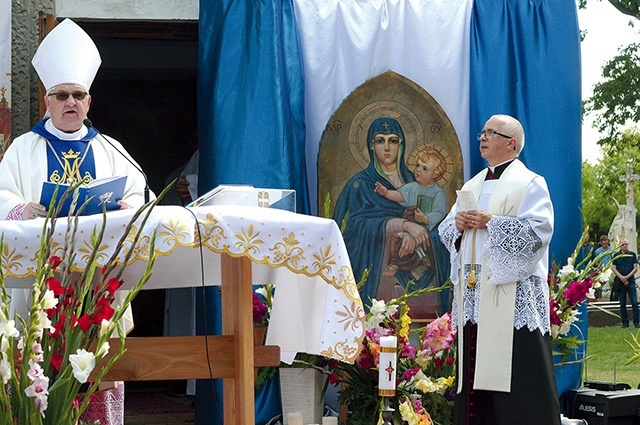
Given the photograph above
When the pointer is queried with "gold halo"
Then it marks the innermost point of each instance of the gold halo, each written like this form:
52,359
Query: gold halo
412,159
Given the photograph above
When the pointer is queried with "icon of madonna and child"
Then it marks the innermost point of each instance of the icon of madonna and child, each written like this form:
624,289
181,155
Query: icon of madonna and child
390,213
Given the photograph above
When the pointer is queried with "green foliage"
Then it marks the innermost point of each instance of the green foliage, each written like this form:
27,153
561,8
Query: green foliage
601,185
614,101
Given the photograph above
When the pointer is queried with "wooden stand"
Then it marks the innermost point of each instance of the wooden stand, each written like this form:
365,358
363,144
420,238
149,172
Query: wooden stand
162,358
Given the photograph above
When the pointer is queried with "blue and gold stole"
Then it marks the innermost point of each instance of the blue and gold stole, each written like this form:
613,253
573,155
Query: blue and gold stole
68,161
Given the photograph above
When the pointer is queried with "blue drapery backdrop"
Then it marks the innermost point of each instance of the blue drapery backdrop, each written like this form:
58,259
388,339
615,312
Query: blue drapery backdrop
524,61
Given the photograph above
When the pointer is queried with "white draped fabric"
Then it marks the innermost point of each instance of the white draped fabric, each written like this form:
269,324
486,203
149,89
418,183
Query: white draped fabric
346,42
317,308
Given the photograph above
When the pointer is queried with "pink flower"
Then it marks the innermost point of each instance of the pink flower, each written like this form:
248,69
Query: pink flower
576,292
408,351
438,335
410,373
553,310
260,309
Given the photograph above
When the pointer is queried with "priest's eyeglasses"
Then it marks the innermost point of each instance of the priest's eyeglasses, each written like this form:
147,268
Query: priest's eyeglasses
62,96
490,133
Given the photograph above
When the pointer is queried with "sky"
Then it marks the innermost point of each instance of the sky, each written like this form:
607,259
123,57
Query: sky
607,31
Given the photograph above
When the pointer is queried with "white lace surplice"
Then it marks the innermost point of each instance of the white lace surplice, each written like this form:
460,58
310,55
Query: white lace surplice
514,249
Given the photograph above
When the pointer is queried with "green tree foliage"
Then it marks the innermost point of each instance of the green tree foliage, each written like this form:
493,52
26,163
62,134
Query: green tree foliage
615,101
601,185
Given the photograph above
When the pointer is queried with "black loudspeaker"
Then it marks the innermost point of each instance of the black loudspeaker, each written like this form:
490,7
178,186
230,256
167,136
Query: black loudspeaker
598,407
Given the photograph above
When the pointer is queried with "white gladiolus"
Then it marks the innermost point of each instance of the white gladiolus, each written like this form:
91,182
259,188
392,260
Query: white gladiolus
8,328
104,350
49,300
82,363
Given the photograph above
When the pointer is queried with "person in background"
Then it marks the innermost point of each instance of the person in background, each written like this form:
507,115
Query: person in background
587,249
186,188
498,234
625,267
606,258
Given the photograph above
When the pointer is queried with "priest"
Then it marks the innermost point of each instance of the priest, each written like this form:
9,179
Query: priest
498,235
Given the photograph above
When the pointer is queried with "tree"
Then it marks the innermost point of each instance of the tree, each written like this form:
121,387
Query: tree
601,185
615,102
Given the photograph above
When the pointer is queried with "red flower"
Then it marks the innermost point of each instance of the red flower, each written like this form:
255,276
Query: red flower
55,261
554,318
334,379
104,311
56,361
59,325
113,284
85,322
54,285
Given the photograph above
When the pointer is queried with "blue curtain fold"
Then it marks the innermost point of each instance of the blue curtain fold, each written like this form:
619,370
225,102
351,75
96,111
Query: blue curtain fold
251,97
525,62
251,131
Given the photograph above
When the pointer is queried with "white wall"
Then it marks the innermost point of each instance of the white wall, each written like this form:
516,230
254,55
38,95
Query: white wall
128,9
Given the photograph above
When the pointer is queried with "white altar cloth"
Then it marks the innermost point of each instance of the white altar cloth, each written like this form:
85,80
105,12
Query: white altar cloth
317,308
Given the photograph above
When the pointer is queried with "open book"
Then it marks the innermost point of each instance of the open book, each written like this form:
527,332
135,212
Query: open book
106,191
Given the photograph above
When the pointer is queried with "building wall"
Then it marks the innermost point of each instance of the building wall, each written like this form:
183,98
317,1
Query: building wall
128,9
24,80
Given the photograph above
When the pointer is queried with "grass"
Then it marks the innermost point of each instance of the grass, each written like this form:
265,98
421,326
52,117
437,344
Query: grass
607,350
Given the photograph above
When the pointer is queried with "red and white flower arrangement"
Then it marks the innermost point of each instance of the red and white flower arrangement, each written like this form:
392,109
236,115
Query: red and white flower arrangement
46,357
569,287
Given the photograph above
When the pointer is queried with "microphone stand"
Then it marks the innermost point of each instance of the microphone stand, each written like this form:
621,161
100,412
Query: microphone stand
87,122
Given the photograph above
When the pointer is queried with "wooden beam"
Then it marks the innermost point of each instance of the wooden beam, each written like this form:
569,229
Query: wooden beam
181,357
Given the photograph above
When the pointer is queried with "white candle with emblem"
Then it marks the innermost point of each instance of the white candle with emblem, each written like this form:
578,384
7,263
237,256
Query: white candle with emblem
387,366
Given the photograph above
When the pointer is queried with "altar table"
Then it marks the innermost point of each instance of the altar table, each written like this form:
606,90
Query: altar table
316,310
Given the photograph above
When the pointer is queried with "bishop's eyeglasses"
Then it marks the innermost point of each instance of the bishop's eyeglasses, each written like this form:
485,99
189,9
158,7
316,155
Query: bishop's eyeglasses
62,96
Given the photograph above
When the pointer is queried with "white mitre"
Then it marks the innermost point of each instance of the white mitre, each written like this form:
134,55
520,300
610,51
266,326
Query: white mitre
67,55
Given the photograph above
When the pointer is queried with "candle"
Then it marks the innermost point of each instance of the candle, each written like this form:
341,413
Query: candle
294,418
387,366
329,420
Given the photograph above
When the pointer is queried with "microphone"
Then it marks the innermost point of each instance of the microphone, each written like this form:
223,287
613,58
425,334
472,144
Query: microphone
89,124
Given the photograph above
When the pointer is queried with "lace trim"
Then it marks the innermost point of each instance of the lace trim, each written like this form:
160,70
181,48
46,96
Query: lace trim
16,212
532,303
512,250
449,234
